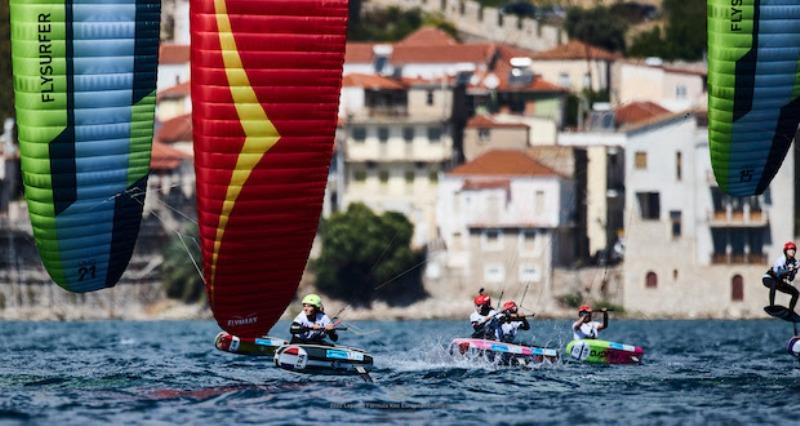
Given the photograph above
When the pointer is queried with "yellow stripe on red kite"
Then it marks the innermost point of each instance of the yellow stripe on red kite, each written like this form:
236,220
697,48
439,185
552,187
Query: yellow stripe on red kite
260,133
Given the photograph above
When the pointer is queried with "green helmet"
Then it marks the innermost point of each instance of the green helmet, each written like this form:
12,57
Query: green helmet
313,300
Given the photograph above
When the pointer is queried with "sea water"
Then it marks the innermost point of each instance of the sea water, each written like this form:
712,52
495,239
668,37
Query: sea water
168,372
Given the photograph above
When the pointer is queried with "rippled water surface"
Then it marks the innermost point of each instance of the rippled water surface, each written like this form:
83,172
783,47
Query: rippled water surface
723,372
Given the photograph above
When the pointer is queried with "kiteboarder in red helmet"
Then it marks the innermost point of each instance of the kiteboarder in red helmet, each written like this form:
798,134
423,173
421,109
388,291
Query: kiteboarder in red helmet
484,318
584,327
511,322
781,274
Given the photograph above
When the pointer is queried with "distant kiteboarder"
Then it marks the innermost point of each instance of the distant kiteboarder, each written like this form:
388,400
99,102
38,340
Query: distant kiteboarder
489,324
779,277
313,325
483,320
584,327
511,321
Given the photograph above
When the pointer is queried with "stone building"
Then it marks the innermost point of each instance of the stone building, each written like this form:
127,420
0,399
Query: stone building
690,249
505,220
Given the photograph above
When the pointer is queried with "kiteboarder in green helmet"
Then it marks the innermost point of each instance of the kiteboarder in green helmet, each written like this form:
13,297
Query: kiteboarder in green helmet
312,325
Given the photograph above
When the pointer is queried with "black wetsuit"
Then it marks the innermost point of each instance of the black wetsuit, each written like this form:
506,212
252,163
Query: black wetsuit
297,329
778,278
508,319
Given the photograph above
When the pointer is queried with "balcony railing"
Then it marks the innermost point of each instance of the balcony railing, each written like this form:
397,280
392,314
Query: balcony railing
730,218
738,259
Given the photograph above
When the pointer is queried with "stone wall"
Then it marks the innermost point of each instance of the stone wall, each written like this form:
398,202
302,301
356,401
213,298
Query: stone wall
486,22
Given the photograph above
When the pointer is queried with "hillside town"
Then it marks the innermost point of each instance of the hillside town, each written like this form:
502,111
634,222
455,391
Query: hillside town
495,147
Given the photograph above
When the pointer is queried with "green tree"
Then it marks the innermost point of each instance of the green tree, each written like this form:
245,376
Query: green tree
367,257
6,92
598,27
684,36
180,277
393,24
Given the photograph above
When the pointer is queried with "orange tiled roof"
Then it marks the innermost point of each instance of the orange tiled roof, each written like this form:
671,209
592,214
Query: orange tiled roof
474,185
173,54
483,121
476,53
356,52
636,112
178,91
575,50
176,129
504,162
428,36
370,81
165,157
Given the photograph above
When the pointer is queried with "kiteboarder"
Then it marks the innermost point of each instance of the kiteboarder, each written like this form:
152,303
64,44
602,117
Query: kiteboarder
781,274
584,327
313,325
484,319
511,321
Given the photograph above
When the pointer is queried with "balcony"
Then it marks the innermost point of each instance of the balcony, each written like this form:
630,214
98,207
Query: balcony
387,111
741,218
738,259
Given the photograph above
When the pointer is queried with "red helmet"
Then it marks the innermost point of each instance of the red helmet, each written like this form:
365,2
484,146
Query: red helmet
510,306
482,300
585,308
789,246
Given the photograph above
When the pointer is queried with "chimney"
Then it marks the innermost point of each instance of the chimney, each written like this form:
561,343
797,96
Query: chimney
381,53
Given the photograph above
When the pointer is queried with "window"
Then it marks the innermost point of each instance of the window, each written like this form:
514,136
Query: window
360,175
429,98
410,176
587,81
433,176
494,273
640,160
434,134
383,175
737,288
492,240
675,274
408,134
651,280
678,166
359,134
563,79
528,241
675,219
529,273
649,205
383,134
680,91
539,203
484,135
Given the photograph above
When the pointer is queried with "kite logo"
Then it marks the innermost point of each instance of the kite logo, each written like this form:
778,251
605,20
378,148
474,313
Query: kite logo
746,175
736,15
239,321
45,58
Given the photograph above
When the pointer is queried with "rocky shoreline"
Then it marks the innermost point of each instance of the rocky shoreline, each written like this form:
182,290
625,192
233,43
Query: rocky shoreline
429,309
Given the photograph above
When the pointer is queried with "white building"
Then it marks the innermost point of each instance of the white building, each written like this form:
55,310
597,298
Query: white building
505,220
173,65
576,66
605,141
676,88
396,141
690,249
